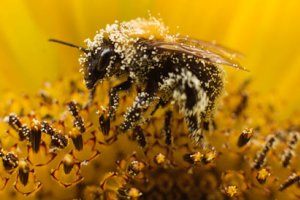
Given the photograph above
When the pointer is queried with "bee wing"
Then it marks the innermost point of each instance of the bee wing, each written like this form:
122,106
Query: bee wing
207,51
211,46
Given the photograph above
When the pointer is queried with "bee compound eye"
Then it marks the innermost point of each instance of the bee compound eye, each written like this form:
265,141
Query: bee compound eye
105,57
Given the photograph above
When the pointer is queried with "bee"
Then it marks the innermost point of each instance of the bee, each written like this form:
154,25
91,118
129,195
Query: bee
164,68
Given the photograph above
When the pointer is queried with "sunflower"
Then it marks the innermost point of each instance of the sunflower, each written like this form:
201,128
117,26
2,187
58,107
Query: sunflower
52,145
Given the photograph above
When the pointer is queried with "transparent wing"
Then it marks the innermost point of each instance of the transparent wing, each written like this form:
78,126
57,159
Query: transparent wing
207,51
211,46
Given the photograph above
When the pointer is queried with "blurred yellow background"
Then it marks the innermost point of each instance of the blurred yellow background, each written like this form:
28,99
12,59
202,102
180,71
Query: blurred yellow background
267,32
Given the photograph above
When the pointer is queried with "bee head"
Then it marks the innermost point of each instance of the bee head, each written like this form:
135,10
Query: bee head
97,64
96,61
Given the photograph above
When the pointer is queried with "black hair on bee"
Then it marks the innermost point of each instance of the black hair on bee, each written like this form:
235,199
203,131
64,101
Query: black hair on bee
167,68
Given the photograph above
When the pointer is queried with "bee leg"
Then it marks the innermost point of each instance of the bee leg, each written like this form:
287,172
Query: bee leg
167,127
209,125
195,129
193,102
161,103
133,114
114,97
140,136
92,93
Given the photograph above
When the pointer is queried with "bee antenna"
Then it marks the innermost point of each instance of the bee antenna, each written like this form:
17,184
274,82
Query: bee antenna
69,44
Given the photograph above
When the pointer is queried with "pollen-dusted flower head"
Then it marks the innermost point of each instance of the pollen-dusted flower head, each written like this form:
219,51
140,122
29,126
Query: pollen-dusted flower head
52,146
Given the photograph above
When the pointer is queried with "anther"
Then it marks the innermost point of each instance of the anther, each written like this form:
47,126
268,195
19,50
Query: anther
35,135
14,121
104,123
261,156
288,153
245,136
135,167
68,163
76,139
46,128
10,161
262,175
78,121
293,178
23,172
59,141
193,158
160,159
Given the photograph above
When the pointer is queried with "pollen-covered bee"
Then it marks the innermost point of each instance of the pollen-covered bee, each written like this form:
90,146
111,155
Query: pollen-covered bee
164,67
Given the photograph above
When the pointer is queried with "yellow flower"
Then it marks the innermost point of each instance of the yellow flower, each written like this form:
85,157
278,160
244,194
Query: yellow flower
265,32
48,151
